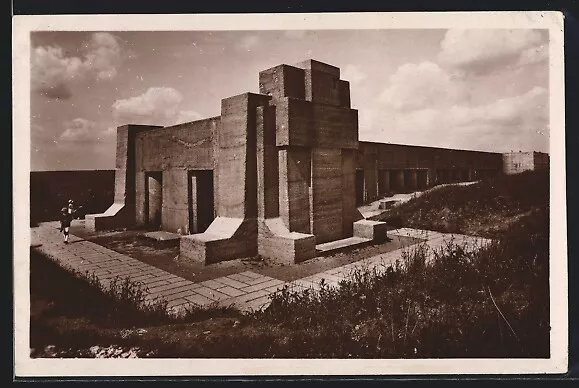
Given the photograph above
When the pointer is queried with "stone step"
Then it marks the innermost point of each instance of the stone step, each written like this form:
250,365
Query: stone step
164,238
338,245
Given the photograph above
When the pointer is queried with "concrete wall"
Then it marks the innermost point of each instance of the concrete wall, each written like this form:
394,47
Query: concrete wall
400,168
173,152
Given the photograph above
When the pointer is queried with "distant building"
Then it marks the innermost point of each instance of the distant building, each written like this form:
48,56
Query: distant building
517,162
276,174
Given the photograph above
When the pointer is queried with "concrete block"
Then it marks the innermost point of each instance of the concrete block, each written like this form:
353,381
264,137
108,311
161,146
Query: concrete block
282,81
225,239
115,217
305,124
373,230
276,242
312,64
344,94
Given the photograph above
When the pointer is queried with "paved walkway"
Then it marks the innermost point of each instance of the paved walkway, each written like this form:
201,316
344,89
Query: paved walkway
245,290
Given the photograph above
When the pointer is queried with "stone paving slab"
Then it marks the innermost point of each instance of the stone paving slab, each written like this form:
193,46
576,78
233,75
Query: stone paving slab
246,290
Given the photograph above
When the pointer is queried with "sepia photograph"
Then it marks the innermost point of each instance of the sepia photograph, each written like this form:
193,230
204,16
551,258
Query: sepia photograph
289,194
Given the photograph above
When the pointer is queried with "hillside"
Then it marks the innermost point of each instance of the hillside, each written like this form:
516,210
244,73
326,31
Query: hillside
487,208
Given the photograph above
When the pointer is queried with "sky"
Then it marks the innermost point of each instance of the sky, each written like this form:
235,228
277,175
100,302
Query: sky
479,89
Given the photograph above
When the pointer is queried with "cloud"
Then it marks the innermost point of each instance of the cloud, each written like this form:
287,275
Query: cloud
482,51
420,86
536,54
247,43
530,108
353,73
517,122
103,55
53,71
157,106
83,130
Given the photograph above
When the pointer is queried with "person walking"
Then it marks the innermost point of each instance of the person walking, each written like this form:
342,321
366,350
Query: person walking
67,214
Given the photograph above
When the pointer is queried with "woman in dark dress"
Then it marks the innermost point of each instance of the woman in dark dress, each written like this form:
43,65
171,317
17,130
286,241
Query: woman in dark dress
67,214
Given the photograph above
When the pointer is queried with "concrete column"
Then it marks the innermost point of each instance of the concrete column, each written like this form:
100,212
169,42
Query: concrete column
123,211
193,221
233,234
370,178
349,210
294,188
175,214
267,164
383,182
154,199
326,194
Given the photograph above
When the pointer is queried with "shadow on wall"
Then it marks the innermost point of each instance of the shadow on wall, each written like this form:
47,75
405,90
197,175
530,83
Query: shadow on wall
51,190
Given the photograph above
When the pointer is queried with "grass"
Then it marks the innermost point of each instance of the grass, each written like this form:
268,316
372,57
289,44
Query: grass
454,303
487,208
73,311
458,304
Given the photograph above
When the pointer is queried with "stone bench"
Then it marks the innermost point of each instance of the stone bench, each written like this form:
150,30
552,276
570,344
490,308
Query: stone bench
373,230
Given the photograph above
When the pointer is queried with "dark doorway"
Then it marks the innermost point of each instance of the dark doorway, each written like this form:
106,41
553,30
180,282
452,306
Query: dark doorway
422,179
200,200
383,182
359,187
397,180
154,198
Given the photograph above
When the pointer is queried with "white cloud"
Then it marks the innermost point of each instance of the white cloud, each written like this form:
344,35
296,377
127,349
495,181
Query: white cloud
458,102
83,130
53,70
103,55
353,73
482,51
247,43
157,106
518,122
420,86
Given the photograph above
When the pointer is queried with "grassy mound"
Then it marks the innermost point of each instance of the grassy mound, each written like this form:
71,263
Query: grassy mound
487,208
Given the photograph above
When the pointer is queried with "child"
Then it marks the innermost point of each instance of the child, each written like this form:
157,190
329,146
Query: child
66,217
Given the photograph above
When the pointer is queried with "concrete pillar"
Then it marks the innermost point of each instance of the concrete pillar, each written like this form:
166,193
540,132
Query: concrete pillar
349,210
294,188
267,164
326,194
383,182
175,214
233,234
154,199
370,177
122,212
193,214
